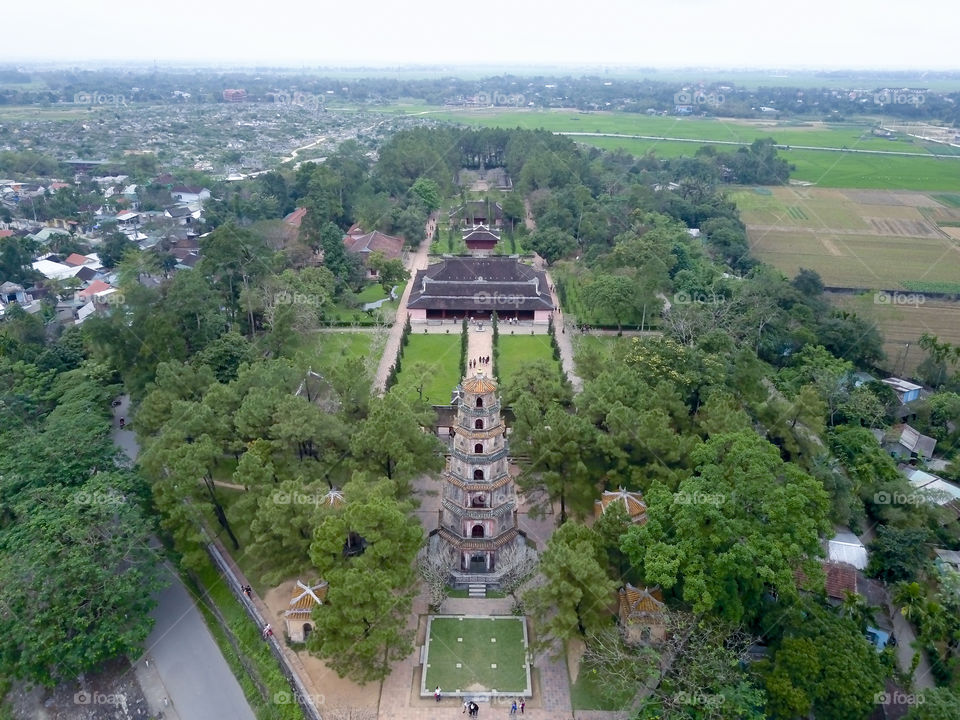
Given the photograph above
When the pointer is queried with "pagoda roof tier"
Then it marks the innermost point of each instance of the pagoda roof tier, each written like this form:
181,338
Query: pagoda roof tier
478,434
484,513
477,486
478,543
475,458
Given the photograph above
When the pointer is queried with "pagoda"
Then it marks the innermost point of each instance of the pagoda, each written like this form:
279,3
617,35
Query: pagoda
478,511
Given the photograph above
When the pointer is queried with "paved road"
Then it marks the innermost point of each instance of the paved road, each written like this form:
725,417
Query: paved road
197,679
416,261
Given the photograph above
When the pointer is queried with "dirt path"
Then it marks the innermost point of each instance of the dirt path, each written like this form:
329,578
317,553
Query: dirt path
528,216
416,261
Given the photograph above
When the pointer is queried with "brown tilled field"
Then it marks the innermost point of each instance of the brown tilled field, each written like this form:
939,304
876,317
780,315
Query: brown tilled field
901,324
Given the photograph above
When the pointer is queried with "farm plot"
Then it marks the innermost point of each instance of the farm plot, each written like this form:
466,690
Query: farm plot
902,325
862,239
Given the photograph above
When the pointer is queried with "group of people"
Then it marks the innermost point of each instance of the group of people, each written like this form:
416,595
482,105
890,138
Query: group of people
482,360
513,708
471,707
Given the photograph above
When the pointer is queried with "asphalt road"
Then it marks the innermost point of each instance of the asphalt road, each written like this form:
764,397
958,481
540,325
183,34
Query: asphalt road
185,655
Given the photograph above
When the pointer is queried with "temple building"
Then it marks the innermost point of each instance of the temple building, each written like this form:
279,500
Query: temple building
481,238
299,615
474,287
478,512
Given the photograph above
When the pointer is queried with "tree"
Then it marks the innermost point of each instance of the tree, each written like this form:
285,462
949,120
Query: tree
897,554
390,272
808,282
765,517
390,440
550,243
428,192
938,703
361,627
577,592
77,579
823,663
564,463
613,296
539,381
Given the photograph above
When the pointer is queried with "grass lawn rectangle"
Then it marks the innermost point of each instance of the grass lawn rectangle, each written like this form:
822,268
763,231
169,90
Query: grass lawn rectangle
469,642
517,351
441,356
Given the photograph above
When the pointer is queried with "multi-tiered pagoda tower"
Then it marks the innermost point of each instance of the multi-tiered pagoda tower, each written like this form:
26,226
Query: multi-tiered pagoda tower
478,513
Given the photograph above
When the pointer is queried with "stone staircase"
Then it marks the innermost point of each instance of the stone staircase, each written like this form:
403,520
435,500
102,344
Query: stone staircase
477,590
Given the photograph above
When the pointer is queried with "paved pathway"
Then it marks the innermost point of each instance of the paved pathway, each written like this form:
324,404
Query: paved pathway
480,345
416,261
563,340
189,663
182,670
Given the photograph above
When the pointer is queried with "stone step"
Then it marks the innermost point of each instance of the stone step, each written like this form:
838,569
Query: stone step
475,590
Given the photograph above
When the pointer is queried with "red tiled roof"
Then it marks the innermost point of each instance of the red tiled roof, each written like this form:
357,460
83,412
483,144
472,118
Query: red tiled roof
637,603
376,241
296,217
632,502
97,286
841,578
75,259
6,233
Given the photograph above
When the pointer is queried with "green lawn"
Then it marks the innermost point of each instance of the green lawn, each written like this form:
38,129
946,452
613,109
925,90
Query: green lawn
332,347
441,356
587,693
516,351
476,644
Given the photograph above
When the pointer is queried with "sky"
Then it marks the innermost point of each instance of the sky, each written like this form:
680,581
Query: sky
724,34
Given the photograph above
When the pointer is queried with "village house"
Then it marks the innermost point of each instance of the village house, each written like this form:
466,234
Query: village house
905,443
365,244
906,391
189,194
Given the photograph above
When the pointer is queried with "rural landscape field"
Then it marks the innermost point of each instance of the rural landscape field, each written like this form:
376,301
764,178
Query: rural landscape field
834,154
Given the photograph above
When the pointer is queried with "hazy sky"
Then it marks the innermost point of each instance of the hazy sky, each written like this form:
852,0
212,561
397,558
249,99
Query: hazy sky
669,33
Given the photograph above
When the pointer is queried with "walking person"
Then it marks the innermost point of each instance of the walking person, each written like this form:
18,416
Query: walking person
513,708
436,694
523,704
466,706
